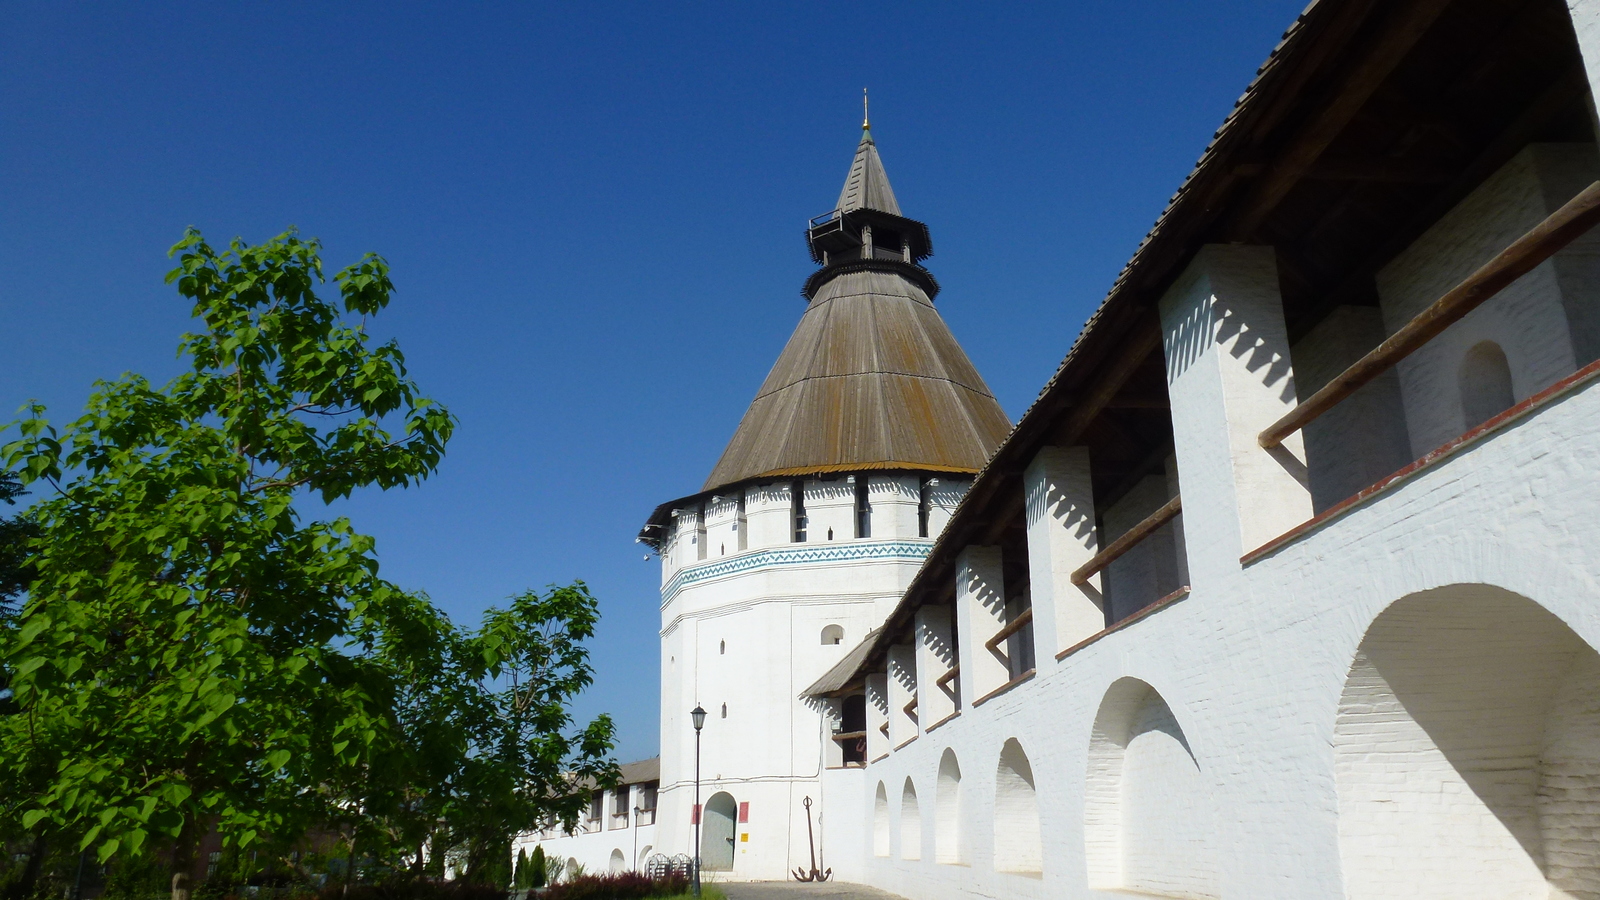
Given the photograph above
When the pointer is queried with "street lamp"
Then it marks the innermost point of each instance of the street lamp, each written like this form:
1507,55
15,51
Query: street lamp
699,716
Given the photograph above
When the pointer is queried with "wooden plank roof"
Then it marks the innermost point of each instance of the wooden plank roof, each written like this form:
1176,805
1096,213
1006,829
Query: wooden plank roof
872,378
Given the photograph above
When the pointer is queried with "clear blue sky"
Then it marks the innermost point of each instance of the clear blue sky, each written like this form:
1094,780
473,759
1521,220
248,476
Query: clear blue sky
594,216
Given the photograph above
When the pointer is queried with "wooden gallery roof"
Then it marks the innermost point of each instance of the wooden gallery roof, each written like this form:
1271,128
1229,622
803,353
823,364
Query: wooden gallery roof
1368,121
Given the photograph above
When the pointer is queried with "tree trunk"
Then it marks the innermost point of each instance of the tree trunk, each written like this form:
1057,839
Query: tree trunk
183,851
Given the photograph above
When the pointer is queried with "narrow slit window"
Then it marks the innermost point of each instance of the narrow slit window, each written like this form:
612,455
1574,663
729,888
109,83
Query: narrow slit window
797,502
863,509
700,534
924,496
742,526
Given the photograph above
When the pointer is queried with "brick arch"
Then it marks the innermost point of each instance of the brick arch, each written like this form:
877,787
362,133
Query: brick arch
947,811
1017,840
880,822
1467,752
1148,811
910,822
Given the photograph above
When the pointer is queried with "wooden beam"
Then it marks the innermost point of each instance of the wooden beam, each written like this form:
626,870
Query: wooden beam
1561,228
1156,461
1398,37
1356,288
1128,541
1145,339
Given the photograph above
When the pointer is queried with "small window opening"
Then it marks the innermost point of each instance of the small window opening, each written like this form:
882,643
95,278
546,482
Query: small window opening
924,498
853,721
833,634
830,534
724,710
797,505
1485,383
863,510
700,533
722,647
739,526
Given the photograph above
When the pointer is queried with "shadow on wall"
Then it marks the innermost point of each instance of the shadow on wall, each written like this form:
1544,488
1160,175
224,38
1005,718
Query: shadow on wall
947,812
880,822
1148,813
1017,847
910,823
1467,752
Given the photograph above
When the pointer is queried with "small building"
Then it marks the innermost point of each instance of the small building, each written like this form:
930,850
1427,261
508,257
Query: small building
616,832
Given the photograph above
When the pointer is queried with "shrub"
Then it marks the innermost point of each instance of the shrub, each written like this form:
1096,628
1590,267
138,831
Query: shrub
412,889
621,886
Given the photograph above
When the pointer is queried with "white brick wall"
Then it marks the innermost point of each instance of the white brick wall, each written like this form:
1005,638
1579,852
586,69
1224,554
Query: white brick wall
1528,319
1256,665
1438,747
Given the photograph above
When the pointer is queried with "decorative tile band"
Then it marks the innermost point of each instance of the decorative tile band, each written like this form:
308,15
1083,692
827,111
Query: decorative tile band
798,555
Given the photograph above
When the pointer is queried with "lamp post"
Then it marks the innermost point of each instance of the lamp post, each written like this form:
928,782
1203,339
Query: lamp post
699,716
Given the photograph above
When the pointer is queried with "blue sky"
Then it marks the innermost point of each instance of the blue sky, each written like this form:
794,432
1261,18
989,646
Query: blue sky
594,216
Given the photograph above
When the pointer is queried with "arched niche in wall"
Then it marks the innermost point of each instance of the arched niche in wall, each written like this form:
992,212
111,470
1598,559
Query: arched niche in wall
1148,812
947,813
1017,844
833,634
1467,752
880,822
644,857
618,862
1485,379
910,823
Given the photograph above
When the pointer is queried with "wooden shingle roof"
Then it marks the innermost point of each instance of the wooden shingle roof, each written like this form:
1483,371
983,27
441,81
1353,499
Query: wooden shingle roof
872,378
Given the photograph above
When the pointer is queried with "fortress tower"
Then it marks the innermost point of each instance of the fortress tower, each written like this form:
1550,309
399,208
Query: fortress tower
860,442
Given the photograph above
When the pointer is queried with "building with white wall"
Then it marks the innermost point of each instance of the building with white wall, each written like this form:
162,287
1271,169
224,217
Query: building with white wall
616,833
856,448
1287,585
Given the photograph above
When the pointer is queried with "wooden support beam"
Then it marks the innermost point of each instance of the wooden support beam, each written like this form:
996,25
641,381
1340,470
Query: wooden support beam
1128,541
1155,461
1357,287
1378,170
1398,37
1561,228
1012,627
1145,339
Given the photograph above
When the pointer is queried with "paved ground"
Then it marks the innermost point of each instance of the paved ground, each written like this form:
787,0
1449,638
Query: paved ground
794,890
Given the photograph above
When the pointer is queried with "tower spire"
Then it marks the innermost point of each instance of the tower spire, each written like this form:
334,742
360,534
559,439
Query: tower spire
867,185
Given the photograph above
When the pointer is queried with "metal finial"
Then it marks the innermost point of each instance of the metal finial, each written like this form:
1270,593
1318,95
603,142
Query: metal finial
864,122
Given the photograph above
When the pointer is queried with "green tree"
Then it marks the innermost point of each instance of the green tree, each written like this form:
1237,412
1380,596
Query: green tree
487,745
189,652
15,534
537,870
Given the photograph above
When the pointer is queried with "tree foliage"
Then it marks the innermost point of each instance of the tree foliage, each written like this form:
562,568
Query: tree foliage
194,652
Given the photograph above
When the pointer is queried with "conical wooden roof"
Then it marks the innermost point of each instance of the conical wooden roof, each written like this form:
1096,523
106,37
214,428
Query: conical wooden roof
872,378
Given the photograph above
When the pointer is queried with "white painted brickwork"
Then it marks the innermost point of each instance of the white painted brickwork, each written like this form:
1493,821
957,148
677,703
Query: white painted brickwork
1403,702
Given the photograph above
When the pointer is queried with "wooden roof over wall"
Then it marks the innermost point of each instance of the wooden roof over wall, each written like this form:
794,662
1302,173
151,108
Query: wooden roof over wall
1368,121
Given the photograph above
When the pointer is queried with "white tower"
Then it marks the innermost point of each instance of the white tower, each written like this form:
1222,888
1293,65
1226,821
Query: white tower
860,442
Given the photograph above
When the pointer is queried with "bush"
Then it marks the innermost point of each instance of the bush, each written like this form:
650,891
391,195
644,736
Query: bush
621,886
412,889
